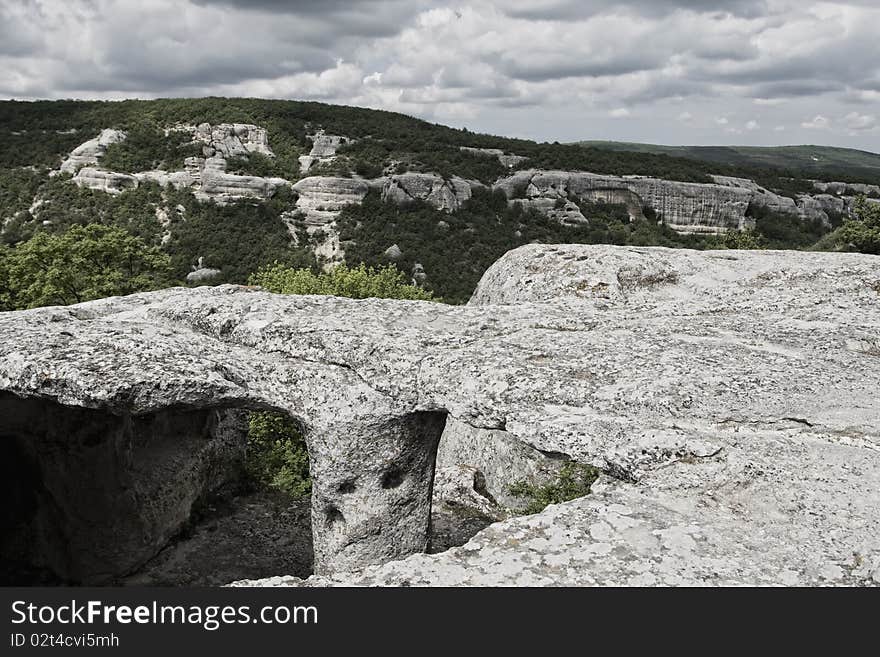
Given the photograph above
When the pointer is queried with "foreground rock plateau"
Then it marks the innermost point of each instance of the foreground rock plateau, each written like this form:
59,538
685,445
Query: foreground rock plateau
730,398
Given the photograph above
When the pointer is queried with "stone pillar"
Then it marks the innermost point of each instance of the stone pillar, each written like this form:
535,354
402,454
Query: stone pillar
372,481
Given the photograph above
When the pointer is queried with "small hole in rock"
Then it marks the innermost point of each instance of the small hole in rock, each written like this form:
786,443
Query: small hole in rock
347,487
334,515
392,479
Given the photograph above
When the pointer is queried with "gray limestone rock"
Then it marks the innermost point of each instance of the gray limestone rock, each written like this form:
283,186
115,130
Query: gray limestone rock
685,207
447,195
730,397
105,181
324,149
90,152
393,252
231,139
321,198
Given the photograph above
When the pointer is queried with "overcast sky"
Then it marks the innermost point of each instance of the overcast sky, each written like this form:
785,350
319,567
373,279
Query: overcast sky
664,71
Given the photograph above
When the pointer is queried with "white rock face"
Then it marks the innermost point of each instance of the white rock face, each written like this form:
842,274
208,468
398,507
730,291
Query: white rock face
104,181
685,207
324,149
730,397
446,195
762,198
206,176
231,139
90,152
322,198
217,185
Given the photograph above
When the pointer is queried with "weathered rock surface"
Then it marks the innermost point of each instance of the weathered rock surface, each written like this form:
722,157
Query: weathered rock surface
90,152
231,139
201,274
731,395
205,176
685,207
500,459
213,183
322,198
567,213
90,495
105,181
509,161
324,149
447,195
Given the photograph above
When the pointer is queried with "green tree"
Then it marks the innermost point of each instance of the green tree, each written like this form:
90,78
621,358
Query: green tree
744,240
861,232
277,457
6,302
359,282
84,263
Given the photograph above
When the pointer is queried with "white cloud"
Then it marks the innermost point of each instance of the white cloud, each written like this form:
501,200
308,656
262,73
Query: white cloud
550,69
818,122
857,123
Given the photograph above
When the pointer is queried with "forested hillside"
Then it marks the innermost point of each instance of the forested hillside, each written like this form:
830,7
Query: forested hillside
51,252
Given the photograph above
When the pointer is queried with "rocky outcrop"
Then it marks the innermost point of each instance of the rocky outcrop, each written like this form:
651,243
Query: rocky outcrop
510,161
205,176
562,210
684,207
324,149
443,194
843,189
213,183
105,181
90,152
732,406
322,198
231,139
729,204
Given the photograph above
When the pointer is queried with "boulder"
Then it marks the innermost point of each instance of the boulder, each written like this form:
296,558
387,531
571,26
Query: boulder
393,252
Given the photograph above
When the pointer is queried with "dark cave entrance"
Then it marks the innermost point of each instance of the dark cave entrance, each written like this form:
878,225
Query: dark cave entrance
170,498
22,503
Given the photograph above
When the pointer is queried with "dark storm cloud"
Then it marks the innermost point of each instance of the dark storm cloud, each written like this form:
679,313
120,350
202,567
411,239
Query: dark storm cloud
365,17
579,9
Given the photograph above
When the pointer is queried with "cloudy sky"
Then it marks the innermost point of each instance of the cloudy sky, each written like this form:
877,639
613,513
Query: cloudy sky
663,71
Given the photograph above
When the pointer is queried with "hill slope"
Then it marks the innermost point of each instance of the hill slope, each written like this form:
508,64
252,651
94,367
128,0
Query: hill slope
226,186
823,162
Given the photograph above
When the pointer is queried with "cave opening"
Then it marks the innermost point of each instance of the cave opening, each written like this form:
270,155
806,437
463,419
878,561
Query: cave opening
207,496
